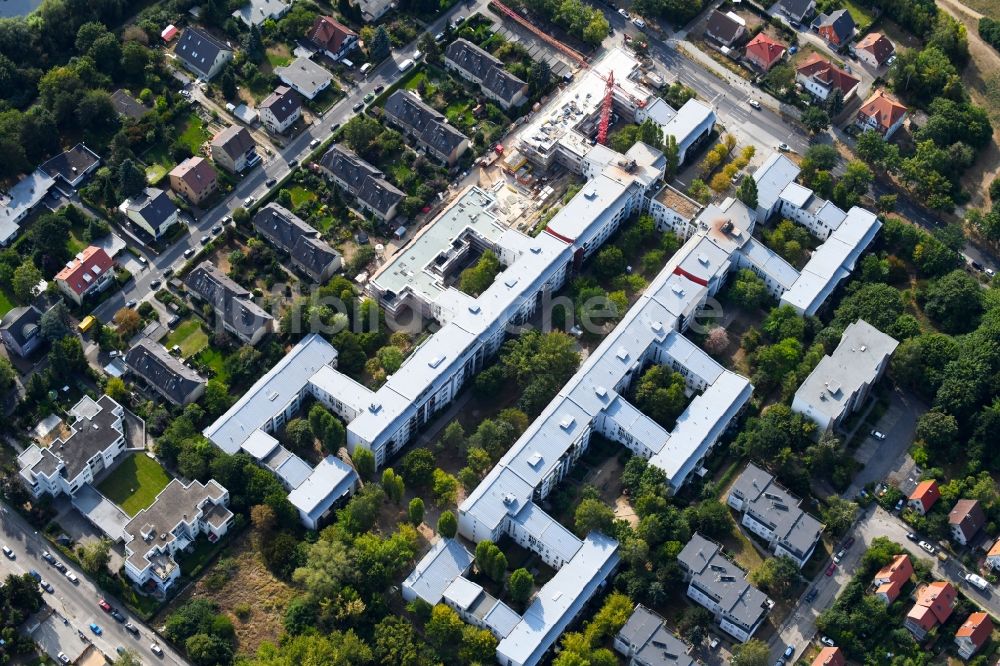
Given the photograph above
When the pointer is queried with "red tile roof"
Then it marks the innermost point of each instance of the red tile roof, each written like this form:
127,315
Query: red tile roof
329,34
899,570
926,493
824,71
84,269
977,628
884,109
968,515
829,656
938,597
878,45
765,51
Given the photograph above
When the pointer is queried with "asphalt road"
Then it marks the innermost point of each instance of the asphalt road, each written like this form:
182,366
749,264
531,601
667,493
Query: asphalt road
77,603
800,626
275,166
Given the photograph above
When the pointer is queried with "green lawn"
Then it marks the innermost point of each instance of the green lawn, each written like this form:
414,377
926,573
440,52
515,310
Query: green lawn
278,59
301,195
860,15
6,302
189,336
214,359
75,242
135,483
459,114
191,132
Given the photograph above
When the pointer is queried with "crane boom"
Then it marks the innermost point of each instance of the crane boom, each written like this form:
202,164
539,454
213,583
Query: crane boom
609,91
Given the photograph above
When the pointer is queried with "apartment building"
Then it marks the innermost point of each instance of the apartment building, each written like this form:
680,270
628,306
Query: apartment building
774,515
645,641
280,110
233,305
178,516
89,272
194,179
372,192
165,374
152,211
474,64
841,382
427,127
720,585
308,252
234,149
96,439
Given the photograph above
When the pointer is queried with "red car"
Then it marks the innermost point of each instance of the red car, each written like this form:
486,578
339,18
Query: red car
830,569
105,606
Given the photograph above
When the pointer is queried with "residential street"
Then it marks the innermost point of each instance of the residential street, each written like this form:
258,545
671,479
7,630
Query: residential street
76,603
800,627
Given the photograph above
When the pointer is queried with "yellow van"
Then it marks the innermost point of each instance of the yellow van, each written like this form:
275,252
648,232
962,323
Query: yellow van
87,323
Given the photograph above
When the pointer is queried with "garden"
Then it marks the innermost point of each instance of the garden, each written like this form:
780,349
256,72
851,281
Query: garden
189,335
134,484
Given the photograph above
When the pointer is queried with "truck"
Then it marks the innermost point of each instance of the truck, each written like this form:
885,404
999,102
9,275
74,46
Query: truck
977,582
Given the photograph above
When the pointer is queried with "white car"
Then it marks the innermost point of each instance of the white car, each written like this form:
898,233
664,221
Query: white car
63,658
754,103
878,435
977,581
46,585
926,546
622,11
72,577
156,649
826,640
9,553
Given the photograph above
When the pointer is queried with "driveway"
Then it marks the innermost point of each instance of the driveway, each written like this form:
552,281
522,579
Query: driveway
887,459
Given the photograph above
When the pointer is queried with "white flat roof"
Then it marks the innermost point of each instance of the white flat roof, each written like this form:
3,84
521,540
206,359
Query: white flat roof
463,592
259,444
331,479
796,194
356,396
447,560
772,177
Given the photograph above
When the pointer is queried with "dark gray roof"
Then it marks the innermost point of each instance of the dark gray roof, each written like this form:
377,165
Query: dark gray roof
429,126
171,378
722,27
363,180
234,141
71,164
723,581
199,50
777,509
21,323
796,8
841,22
283,103
486,68
227,297
289,232
90,436
155,206
654,645
126,105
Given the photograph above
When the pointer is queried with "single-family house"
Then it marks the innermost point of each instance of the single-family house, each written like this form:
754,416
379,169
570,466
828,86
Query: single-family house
645,641
836,28
830,656
153,211
477,65
20,330
965,519
874,49
194,179
891,578
725,29
934,604
280,109
973,634
332,37
428,127
797,11
924,496
20,200
202,53
164,373
820,78
255,12
234,149
764,52
993,556
89,272
127,106
882,113
72,166
305,77
373,10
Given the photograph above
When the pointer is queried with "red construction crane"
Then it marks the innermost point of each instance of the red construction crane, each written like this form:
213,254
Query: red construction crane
572,53
609,92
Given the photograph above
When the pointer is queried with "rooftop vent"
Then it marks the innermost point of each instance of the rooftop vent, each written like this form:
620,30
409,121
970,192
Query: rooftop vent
508,499
436,361
535,249
474,308
622,353
535,459
375,407
600,391
657,327
510,282
272,396
703,259
676,288
567,422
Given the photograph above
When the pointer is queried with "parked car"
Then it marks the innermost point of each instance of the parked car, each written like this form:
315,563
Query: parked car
188,252
912,536
754,103
46,585
168,271
131,628
784,147
47,556
623,13
977,581
878,435
826,640
173,321
63,658
34,574
9,553
217,229
249,201
840,555
72,577
115,613
105,606
926,546
204,240
899,504
357,107
156,649
60,567
130,304
379,88
293,162
830,569
270,182
96,628
439,37
155,284
789,651
811,595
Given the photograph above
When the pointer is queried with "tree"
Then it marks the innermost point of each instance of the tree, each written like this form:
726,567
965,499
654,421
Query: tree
838,514
415,511
299,435
447,525
393,485
208,650
939,433
954,302
477,278
592,514
253,45
364,462
747,192
127,658
444,629
815,119
216,399
95,556
609,262
115,388
131,179
380,45
747,289
521,584
660,394
128,322
445,488
539,76
417,468
478,646
490,560
26,278
751,653
7,374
